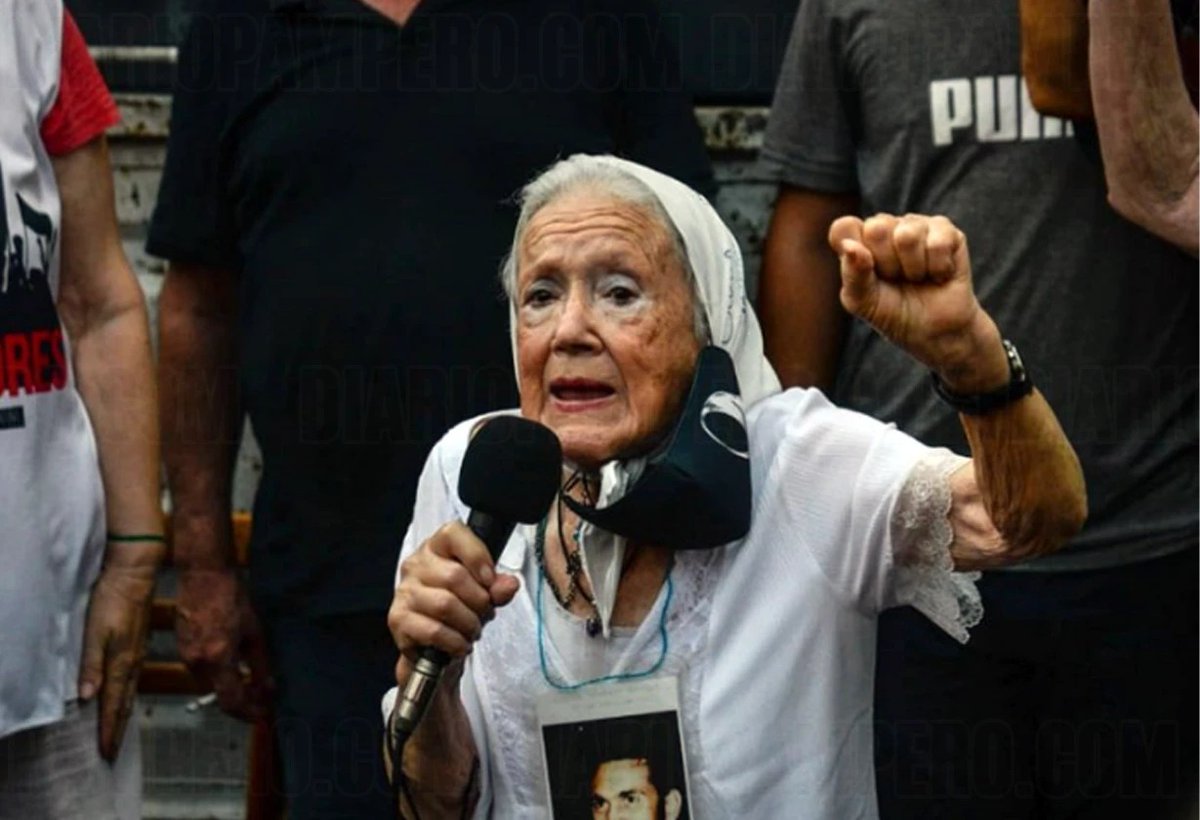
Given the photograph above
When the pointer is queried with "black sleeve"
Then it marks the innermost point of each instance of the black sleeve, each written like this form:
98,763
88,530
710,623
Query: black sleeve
655,118
193,221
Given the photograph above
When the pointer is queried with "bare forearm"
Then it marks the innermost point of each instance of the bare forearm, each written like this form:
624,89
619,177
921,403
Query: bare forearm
199,412
1146,122
440,759
804,324
1026,472
1029,477
115,378
104,314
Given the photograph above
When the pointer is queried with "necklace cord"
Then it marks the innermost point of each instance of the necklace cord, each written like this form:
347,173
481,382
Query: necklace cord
544,581
572,561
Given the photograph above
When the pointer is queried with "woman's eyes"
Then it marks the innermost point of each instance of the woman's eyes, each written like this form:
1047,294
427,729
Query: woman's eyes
621,295
620,289
539,296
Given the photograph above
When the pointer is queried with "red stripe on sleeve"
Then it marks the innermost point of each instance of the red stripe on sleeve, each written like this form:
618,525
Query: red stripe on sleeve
84,108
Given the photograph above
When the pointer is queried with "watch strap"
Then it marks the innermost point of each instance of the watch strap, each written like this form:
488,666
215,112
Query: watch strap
977,404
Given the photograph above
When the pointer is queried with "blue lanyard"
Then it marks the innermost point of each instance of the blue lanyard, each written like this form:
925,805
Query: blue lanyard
571,687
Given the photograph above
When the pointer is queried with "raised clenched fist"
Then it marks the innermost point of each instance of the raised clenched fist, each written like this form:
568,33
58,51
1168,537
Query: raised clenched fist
909,277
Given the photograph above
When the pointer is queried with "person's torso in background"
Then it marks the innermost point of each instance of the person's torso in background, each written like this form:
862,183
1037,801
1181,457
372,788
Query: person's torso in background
372,173
1105,316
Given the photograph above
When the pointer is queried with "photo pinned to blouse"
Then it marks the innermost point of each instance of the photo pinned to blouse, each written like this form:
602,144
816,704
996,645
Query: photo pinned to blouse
615,750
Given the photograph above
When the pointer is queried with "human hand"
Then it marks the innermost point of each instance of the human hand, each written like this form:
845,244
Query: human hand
910,278
222,643
448,590
114,638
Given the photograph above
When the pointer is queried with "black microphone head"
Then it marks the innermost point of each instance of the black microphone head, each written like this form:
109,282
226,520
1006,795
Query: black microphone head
511,469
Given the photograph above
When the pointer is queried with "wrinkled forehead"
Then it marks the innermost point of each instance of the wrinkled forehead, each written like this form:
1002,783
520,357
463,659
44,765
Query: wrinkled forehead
583,222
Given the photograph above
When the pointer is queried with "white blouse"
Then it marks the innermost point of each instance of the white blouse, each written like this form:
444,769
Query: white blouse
772,637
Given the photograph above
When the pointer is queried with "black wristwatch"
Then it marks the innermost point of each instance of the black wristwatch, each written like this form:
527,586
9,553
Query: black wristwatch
976,404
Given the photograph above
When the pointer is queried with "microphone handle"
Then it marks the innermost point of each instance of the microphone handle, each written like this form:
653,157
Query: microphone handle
427,671
492,531
418,691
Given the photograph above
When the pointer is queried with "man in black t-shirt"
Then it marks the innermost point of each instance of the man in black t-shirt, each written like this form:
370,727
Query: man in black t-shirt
335,205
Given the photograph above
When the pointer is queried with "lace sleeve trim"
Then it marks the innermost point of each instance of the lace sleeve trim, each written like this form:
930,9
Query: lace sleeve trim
921,538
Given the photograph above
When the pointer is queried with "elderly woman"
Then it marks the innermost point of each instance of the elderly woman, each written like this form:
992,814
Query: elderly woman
621,280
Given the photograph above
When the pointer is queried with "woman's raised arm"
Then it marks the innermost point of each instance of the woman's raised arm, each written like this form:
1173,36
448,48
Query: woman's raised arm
1022,495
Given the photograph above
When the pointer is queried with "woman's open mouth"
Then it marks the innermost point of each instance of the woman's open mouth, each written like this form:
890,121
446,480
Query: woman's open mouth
579,394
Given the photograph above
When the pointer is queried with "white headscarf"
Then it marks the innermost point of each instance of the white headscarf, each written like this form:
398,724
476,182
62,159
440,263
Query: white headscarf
716,262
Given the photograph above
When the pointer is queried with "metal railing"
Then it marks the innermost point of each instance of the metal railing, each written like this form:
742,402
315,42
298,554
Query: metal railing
135,54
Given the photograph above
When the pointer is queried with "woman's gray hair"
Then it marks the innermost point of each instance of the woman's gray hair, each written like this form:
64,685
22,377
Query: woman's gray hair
584,172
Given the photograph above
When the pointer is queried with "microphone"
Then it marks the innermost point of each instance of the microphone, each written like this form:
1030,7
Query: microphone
510,473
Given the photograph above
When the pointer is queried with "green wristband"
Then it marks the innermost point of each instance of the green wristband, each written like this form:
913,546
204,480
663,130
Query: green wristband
140,538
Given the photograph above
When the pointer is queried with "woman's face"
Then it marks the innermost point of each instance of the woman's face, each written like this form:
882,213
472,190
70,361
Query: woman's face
605,344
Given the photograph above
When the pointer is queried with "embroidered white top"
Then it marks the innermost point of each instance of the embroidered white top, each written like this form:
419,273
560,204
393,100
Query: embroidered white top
772,637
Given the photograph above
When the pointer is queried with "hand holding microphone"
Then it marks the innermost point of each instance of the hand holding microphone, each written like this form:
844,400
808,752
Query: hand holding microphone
449,587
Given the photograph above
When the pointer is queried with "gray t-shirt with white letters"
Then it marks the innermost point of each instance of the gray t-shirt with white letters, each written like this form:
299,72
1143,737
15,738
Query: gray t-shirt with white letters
919,106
